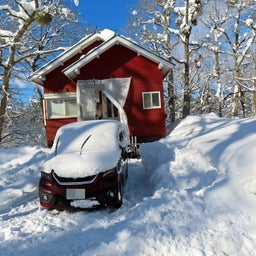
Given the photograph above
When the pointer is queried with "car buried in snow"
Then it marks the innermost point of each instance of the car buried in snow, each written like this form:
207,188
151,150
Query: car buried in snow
87,166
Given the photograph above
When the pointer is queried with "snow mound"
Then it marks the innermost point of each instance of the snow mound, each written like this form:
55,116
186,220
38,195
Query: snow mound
192,193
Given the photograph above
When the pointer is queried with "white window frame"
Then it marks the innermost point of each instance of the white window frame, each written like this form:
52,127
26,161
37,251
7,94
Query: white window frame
151,100
60,97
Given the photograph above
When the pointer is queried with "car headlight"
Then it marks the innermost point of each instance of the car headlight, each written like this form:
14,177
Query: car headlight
46,177
109,173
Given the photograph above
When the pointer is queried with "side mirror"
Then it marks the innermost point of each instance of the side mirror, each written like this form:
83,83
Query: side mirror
124,154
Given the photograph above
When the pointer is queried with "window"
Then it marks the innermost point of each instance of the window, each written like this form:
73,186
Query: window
151,100
110,110
61,105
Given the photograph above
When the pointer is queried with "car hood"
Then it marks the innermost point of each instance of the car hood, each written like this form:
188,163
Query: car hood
72,165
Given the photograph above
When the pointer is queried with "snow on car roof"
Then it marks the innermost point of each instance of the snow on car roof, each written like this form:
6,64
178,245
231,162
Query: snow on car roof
85,148
95,135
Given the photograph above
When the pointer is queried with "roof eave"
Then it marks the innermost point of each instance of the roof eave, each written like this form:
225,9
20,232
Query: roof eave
64,56
74,69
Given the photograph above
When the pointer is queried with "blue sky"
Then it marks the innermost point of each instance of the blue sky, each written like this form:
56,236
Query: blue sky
110,14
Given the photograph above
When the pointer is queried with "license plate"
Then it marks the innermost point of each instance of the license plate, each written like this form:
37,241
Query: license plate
75,193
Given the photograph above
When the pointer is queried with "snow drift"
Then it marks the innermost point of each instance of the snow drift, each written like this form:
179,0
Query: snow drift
192,193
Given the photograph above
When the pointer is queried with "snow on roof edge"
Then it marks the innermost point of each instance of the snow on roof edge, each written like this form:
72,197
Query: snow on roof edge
104,35
68,71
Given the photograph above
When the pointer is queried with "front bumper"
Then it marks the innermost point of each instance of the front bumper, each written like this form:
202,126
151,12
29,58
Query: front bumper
102,191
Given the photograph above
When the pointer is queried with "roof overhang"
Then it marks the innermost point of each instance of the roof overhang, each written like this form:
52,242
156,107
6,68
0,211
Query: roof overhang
39,76
73,70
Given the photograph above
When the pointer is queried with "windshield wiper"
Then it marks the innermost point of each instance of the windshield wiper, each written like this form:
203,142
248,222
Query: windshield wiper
57,143
84,144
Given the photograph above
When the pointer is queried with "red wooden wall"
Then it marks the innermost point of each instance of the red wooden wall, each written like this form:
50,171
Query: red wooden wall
122,62
118,62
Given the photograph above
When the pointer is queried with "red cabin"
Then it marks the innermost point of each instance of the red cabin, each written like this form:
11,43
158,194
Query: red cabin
105,76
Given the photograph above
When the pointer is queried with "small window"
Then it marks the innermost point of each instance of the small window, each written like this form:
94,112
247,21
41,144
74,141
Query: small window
151,100
61,105
110,109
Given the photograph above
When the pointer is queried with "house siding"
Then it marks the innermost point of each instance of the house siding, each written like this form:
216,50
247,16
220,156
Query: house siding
121,62
116,62
57,82
52,125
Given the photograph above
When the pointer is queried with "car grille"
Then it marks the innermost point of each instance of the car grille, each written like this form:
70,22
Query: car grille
74,181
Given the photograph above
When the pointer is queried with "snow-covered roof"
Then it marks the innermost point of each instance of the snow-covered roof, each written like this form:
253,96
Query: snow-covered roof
72,70
39,75
109,39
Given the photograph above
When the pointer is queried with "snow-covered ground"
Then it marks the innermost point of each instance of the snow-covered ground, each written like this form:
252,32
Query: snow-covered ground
192,193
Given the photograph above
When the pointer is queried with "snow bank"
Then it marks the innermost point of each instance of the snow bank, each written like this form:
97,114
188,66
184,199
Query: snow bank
193,193
205,173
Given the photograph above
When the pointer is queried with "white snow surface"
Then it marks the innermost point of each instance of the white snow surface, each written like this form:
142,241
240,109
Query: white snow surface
100,149
72,165
191,193
106,34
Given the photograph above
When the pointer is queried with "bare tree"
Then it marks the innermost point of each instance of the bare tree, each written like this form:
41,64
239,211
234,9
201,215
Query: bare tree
227,31
254,87
240,40
162,25
31,31
212,19
251,23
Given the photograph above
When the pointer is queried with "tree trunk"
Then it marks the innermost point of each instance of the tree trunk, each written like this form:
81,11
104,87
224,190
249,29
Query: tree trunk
3,105
235,102
254,100
8,69
238,94
41,100
171,97
186,92
219,90
5,90
254,95
186,104
38,91
237,89
243,102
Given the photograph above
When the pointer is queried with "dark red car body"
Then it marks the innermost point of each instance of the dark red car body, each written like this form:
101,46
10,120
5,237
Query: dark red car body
99,190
